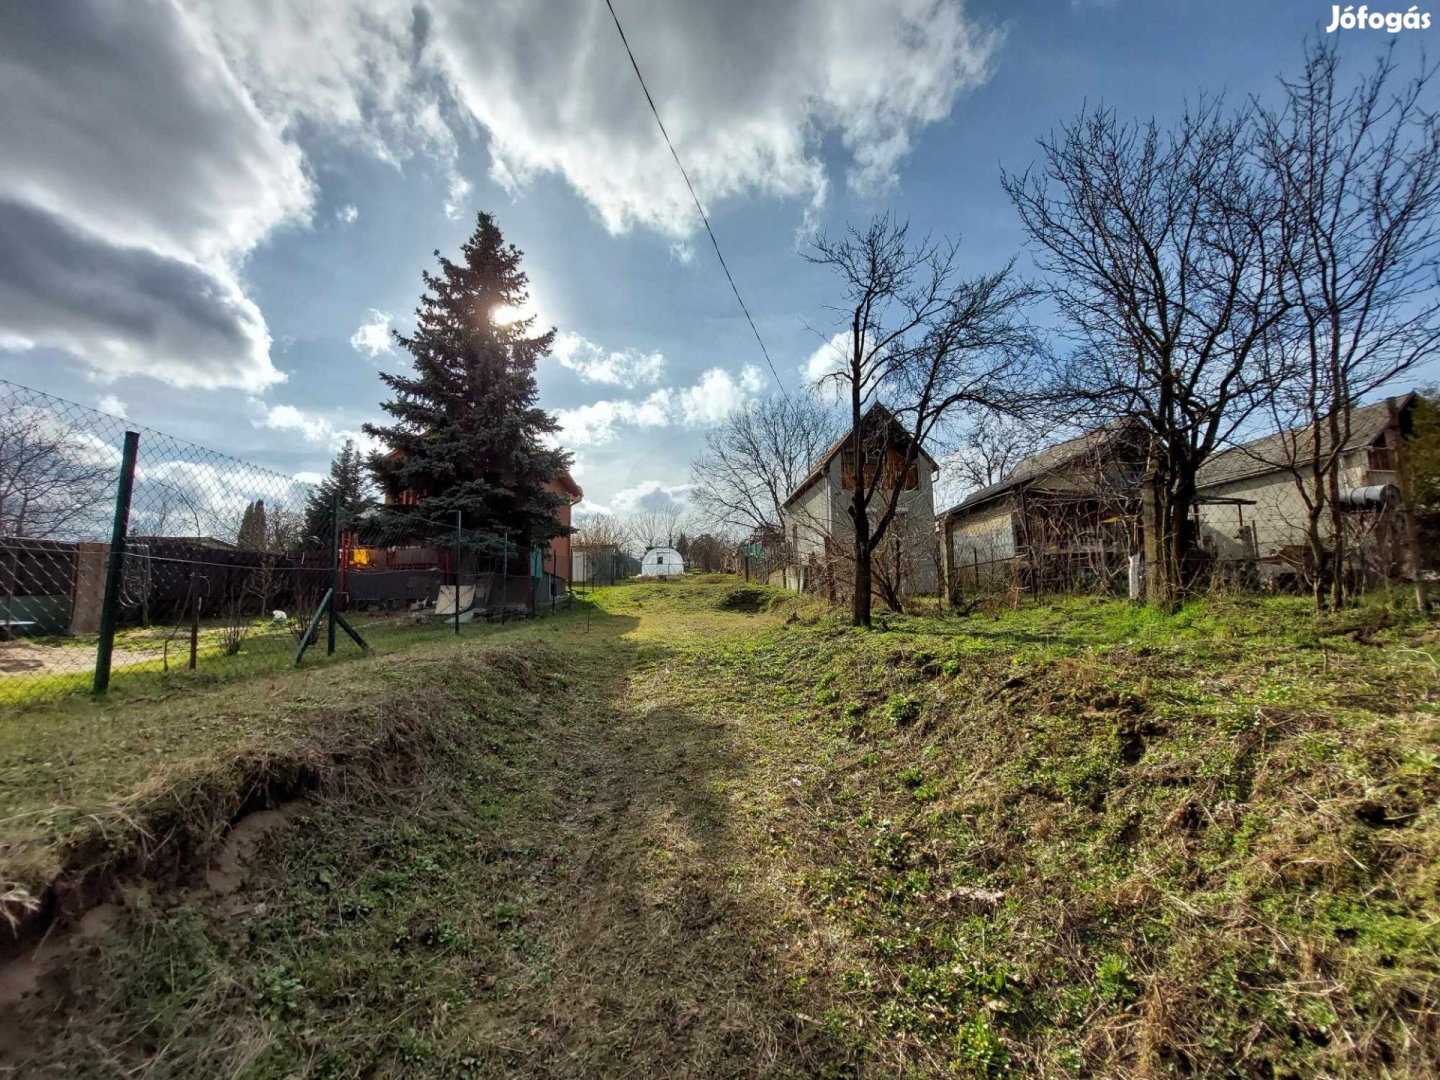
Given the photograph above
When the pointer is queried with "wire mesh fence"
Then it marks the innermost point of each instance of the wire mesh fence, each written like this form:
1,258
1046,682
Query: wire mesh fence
128,554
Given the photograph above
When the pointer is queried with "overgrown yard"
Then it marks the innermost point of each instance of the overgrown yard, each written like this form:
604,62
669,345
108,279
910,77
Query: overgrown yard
700,828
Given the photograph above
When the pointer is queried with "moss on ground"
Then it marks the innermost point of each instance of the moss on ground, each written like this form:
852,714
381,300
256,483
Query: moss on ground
684,834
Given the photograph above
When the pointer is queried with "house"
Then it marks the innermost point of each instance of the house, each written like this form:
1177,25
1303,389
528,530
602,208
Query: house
402,570
559,560
818,531
1252,510
1069,516
555,558
1065,517
662,562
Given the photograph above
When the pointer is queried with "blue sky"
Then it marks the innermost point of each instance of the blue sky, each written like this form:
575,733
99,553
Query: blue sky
213,210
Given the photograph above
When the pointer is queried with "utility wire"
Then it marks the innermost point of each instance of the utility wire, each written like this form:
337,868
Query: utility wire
715,243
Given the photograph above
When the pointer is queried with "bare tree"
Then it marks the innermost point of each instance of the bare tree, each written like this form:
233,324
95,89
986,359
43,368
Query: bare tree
1163,257
923,343
708,552
757,456
653,526
169,508
599,532
52,478
989,449
1356,172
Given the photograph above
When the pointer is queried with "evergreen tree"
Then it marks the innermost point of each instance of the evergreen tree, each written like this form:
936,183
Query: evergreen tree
467,434
252,532
349,482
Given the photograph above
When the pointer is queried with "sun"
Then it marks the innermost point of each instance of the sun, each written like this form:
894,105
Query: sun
505,314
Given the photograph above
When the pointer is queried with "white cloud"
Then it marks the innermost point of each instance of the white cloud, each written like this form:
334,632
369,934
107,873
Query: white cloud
717,394
594,364
111,404
682,252
157,140
707,402
126,310
365,443
824,362
348,213
600,421
309,477
312,428
373,337
369,83
139,158
458,192
650,495
748,89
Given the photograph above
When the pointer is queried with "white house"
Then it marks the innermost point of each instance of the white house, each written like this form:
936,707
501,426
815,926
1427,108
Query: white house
818,531
662,562
1251,508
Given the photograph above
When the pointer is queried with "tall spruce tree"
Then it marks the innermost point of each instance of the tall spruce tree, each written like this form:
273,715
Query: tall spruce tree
467,431
349,482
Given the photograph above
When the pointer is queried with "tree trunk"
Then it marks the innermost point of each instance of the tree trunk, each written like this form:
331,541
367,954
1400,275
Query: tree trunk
1167,539
1337,528
1152,519
860,602
1317,557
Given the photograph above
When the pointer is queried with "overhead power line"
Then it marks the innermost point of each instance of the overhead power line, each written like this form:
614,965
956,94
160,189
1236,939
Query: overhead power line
703,217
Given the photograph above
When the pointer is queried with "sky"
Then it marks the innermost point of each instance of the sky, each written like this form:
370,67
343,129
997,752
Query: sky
213,211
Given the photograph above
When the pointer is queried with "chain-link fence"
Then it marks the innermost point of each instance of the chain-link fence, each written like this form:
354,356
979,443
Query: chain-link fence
128,554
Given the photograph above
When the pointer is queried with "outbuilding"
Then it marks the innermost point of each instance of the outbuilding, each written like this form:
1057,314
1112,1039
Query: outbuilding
662,562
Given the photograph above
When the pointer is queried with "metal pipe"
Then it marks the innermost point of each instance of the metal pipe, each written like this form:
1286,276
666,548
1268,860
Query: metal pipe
110,607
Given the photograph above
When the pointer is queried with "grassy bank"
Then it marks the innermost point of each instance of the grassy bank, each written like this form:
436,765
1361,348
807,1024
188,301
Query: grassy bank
705,829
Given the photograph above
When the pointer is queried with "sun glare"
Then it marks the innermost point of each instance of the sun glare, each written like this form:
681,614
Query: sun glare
505,314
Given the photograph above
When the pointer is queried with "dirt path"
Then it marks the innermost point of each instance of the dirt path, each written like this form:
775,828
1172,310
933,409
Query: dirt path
664,960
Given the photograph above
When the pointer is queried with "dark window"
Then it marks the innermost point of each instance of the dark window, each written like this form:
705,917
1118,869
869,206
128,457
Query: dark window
1381,459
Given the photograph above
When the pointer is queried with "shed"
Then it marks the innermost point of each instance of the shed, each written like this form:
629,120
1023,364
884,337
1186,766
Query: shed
662,562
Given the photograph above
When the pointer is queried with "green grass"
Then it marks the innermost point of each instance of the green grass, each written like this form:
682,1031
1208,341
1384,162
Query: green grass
151,660
702,828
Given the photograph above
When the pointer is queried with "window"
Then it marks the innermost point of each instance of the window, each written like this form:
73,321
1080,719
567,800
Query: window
1380,459
659,560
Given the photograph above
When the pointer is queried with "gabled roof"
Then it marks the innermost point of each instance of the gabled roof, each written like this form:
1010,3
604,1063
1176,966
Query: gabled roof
813,477
1036,471
1274,453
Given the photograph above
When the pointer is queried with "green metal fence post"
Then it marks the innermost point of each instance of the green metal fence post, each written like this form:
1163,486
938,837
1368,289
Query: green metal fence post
334,577
457,572
114,571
